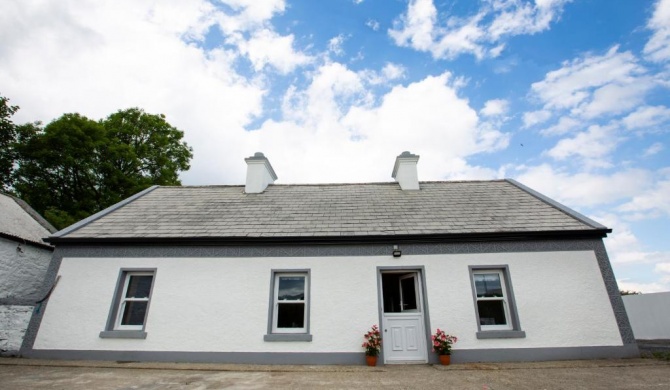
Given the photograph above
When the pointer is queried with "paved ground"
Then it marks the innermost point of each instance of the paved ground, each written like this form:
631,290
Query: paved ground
592,374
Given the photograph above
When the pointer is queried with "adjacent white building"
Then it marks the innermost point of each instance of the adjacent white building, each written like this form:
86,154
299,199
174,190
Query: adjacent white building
296,274
649,315
24,259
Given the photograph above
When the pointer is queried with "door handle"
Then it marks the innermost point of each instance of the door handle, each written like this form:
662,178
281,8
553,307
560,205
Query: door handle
384,330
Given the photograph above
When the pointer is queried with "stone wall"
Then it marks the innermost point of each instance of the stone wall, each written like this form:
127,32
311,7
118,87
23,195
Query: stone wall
13,324
22,271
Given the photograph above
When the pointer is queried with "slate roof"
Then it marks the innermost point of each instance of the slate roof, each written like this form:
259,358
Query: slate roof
19,222
332,210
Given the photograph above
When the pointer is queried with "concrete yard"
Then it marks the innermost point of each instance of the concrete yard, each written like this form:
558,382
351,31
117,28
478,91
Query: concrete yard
591,374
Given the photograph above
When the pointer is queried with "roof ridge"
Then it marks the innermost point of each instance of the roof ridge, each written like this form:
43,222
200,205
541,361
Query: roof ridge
334,184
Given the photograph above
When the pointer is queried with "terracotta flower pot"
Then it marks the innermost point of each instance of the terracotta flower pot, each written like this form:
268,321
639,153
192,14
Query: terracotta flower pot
371,360
445,360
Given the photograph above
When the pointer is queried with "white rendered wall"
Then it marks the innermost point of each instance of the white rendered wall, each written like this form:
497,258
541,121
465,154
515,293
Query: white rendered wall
221,304
649,315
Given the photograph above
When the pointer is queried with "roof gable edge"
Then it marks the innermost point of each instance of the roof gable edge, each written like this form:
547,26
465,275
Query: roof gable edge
559,206
33,214
100,214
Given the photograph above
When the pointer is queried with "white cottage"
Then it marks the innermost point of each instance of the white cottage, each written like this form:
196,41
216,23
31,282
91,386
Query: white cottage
295,274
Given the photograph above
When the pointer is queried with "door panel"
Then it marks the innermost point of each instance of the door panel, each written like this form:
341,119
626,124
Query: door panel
396,337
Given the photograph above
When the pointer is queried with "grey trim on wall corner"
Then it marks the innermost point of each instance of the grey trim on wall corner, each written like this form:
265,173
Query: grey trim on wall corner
351,358
123,334
559,206
501,334
100,214
614,294
38,311
287,337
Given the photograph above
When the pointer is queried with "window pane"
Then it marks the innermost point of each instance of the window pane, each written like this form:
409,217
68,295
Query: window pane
133,313
291,315
139,286
488,285
291,288
408,294
491,312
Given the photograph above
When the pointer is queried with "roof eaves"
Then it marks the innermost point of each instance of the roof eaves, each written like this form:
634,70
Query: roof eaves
356,239
21,240
99,214
559,206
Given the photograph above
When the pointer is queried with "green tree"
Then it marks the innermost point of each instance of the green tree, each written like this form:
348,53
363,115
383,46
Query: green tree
75,167
7,140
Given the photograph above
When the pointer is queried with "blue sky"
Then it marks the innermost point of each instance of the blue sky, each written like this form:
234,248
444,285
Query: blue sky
568,97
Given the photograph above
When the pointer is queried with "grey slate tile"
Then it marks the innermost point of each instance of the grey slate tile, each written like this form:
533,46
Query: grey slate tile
332,209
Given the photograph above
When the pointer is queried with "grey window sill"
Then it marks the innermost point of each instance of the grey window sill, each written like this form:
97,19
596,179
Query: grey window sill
123,334
501,334
288,337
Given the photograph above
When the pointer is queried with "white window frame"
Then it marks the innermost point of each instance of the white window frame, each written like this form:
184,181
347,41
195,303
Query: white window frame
512,329
277,302
508,319
123,300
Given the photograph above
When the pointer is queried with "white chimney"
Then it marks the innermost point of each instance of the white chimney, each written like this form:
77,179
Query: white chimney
404,171
259,174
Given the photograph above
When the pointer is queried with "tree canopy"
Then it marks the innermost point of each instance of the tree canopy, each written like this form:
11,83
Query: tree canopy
74,166
7,138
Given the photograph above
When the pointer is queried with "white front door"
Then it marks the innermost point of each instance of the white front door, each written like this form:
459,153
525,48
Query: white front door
403,328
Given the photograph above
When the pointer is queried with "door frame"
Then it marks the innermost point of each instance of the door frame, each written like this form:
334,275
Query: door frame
421,273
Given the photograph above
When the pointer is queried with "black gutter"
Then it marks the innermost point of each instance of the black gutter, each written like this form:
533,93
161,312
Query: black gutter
341,240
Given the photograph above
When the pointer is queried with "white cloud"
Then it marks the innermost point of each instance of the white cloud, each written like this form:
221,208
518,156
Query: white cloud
647,117
591,146
388,73
533,118
614,99
653,201
478,34
658,47
266,47
517,17
584,189
575,83
335,45
393,71
564,125
655,148
335,113
495,107
248,14
373,24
